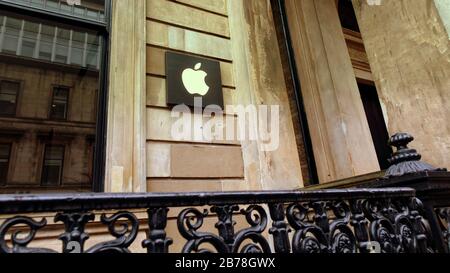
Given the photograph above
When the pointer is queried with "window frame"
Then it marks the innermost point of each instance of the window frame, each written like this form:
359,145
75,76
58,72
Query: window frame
50,109
44,158
4,183
103,29
19,91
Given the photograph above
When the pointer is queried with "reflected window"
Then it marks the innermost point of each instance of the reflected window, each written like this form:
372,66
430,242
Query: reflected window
11,35
62,46
53,166
51,88
47,35
53,43
29,39
77,50
59,103
9,91
92,51
5,151
88,9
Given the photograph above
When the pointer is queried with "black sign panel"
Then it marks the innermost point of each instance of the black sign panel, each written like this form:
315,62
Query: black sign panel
189,77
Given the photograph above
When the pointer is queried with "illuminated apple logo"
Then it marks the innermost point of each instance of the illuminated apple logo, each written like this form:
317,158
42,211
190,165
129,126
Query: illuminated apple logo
194,80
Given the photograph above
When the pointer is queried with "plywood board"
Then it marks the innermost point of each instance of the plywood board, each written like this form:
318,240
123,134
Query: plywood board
187,17
189,41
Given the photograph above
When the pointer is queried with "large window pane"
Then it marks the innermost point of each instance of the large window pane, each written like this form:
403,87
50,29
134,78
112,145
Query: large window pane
8,97
60,102
78,41
88,9
52,171
62,45
46,42
5,151
2,18
92,53
29,40
51,42
49,87
13,27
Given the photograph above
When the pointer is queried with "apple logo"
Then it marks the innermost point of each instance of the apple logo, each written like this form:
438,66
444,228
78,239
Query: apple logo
194,80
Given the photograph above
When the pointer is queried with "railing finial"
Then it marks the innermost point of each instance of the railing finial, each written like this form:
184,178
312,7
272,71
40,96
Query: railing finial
405,160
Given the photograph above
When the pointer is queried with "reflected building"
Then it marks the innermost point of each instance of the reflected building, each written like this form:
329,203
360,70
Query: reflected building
49,82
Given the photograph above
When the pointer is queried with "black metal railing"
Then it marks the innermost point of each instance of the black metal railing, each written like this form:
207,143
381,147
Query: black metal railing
432,186
443,215
331,221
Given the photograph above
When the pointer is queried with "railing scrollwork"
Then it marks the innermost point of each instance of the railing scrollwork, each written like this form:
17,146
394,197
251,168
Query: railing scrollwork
350,221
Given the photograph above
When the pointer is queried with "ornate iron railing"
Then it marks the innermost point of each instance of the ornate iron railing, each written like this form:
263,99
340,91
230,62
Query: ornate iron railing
331,221
443,215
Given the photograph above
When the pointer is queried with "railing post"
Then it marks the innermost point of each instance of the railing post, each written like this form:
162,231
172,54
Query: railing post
225,224
435,226
157,241
360,225
74,237
405,160
444,214
417,221
279,230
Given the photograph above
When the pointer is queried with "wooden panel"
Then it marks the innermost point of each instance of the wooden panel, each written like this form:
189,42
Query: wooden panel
158,160
193,161
204,161
353,125
156,65
162,35
358,55
251,63
259,69
239,34
156,93
187,17
218,6
209,185
235,185
363,76
178,186
340,134
125,151
159,127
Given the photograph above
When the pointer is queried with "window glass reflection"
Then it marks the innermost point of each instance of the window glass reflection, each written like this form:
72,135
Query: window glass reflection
8,97
53,165
47,42
88,9
59,104
5,151
49,82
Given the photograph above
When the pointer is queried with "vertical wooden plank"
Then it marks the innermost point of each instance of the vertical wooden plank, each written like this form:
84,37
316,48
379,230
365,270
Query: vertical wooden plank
126,135
260,62
301,38
340,134
354,125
